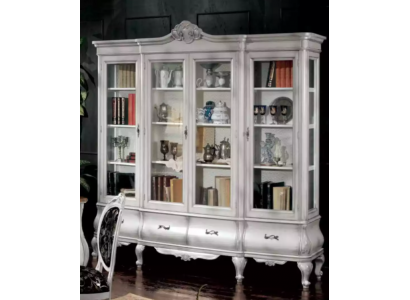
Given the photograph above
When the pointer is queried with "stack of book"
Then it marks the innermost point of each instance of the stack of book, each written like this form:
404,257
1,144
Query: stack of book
166,188
273,195
131,158
123,110
218,196
117,181
280,74
126,76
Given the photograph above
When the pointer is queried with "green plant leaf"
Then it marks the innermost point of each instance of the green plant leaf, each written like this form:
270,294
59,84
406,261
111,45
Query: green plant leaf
84,184
83,82
81,110
84,96
88,74
84,163
197,295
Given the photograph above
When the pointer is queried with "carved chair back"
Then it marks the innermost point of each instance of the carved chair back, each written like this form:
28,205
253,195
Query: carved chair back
107,235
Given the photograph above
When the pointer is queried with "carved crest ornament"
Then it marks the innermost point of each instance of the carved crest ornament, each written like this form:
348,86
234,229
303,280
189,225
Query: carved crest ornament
187,32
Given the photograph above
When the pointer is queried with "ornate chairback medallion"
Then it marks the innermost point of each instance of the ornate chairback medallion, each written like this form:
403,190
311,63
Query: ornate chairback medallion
107,231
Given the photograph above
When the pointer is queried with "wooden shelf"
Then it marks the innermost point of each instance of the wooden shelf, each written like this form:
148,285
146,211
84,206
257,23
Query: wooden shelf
273,89
272,125
213,89
213,166
168,89
120,126
167,123
121,89
212,125
121,163
276,168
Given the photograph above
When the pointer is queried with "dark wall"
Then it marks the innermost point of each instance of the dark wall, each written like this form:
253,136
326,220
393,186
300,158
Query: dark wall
127,19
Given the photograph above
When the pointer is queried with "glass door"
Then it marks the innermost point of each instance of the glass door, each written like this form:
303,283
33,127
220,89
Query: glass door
119,127
214,144
271,114
166,131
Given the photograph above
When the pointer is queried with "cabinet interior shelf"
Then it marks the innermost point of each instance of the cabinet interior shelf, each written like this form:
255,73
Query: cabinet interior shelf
159,162
168,89
120,163
213,166
272,125
213,89
212,125
285,168
273,89
120,126
167,123
122,89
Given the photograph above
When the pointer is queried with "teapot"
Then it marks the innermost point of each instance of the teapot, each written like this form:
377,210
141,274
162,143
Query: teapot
224,149
165,76
162,113
209,153
178,76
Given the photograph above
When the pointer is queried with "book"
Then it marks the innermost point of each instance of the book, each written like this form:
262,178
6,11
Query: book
212,197
271,75
176,190
220,186
283,74
114,110
291,73
118,113
270,186
277,72
281,198
132,76
122,110
127,75
159,188
120,76
227,195
167,185
129,110
154,187
265,194
287,73
128,192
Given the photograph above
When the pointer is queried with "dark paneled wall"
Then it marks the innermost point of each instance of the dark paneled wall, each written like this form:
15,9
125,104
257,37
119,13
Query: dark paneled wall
128,19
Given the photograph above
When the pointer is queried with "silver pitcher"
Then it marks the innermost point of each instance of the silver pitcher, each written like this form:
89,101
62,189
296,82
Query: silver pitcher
224,149
162,113
209,153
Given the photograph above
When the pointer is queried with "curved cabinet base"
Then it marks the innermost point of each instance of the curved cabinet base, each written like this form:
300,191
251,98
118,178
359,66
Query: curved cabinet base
194,237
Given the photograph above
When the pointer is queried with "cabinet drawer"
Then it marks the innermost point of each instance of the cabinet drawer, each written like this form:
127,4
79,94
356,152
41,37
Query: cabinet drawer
214,234
164,228
272,238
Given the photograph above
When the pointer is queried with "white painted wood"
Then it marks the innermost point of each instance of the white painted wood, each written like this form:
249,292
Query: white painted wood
242,226
84,251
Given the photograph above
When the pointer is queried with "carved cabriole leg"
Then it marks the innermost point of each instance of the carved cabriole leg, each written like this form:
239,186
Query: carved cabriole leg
305,268
138,251
94,245
318,266
239,263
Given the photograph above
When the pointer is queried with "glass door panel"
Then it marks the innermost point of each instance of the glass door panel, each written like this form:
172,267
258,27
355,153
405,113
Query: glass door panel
166,107
272,106
313,138
213,104
121,137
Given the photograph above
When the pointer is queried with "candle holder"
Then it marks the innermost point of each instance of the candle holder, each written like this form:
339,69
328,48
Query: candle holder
174,149
164,149
120,142
273,111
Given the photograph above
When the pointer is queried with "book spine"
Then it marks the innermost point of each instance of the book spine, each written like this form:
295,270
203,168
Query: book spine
132,75
119,74
287,74
129,109
271,74
269,197
159,188
118,111
114,110
277,71
122,110
291,73
154,188
133,110
283,74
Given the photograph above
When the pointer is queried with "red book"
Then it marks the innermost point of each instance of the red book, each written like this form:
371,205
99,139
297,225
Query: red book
130,109
133,109
291,73
283,74
277,72
287,73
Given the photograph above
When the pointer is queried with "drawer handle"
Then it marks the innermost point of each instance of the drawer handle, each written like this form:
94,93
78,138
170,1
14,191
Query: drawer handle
164,227
271,237
211,232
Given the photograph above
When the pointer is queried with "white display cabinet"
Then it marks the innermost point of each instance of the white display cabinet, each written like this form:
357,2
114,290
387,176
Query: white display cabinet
240,114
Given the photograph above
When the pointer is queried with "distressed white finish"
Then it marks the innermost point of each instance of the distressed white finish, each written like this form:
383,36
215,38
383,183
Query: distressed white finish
192,231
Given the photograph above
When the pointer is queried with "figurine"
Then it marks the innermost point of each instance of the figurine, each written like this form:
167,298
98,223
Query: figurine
266,150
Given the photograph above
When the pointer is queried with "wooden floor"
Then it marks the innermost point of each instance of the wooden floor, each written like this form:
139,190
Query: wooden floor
166,277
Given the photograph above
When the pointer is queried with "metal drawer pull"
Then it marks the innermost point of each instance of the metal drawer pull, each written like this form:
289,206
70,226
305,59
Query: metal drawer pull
271,237
211,232
164,227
